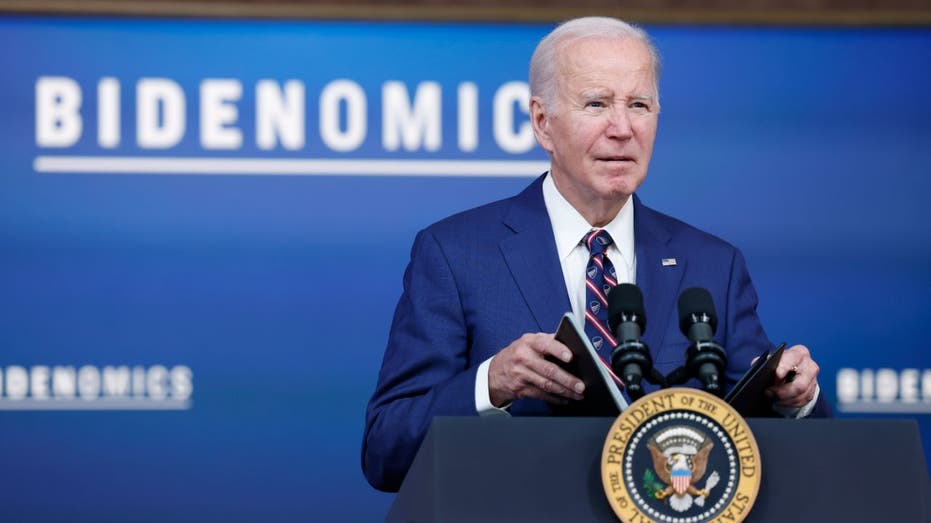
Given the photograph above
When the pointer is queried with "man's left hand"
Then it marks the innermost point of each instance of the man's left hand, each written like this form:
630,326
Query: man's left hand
796,378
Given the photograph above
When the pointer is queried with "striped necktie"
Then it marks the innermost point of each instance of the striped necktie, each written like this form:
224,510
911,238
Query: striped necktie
600,277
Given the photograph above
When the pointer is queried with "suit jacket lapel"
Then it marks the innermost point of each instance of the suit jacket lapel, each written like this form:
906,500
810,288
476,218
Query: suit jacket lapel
531,256
658,281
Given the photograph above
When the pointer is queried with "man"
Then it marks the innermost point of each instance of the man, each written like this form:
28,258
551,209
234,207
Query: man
485,288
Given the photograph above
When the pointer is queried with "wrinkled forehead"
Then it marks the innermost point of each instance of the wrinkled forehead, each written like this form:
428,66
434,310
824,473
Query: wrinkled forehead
618,64
579,53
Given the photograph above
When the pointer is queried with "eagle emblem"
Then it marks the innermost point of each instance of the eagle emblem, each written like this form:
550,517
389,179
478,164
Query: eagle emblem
680,459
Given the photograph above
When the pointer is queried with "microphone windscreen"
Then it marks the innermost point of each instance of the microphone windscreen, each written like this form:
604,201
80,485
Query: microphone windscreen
626,298
696,300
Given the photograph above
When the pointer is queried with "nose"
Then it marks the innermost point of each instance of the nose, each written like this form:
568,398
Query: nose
619,124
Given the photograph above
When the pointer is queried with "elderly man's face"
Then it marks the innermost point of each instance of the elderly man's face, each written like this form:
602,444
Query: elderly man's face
601,128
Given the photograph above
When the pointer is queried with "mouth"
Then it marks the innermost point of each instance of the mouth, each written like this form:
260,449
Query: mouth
617,159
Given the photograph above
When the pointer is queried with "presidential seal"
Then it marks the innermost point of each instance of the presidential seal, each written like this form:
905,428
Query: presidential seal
680,456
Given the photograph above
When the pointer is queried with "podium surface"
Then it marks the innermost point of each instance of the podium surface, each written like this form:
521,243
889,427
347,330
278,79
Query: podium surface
549,469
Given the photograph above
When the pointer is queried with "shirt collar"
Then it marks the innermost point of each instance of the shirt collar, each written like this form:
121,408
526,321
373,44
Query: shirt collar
569,226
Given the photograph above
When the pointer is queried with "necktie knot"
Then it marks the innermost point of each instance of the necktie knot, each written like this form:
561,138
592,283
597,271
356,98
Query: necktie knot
597,241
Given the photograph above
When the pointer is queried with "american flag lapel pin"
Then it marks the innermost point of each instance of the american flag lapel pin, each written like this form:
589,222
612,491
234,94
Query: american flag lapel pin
669,262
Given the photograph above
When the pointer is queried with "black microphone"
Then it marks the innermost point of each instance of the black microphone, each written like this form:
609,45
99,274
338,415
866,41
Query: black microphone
705,359
631,358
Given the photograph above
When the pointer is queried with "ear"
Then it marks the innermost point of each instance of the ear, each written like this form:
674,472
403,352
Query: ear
540,121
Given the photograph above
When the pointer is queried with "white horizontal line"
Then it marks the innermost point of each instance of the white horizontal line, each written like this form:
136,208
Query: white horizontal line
95,404
286,166
881,407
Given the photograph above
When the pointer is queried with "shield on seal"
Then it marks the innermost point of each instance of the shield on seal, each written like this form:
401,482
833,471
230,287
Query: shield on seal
681,478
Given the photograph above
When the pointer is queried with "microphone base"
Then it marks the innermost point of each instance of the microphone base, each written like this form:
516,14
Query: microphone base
706,360
631,361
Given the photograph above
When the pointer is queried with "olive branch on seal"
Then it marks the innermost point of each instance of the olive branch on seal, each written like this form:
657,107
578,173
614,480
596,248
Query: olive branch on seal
650,484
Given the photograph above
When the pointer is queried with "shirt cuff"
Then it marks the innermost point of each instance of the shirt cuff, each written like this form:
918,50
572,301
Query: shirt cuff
483,404
799,412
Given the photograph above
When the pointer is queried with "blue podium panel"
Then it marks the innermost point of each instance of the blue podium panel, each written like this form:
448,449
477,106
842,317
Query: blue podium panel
549,469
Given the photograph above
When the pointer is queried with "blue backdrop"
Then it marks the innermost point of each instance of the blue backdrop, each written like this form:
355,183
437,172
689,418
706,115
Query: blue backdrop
807,148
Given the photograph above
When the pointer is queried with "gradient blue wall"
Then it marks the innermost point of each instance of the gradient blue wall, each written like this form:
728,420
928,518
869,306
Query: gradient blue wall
807,148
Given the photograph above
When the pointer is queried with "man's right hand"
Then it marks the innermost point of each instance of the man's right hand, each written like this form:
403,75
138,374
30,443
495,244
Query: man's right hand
521,370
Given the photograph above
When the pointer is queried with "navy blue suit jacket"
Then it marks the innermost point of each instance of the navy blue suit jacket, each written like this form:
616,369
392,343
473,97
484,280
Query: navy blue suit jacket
480,279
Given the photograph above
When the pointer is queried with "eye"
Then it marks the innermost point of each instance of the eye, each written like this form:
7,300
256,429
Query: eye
595,104
640,106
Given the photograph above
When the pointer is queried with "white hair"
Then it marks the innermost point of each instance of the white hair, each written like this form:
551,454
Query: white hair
544,64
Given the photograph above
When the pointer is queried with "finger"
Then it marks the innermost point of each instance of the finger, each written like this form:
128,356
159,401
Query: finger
550,386
796,394
548,345
792,360
522,370
554,379
528,384
526,379
786,391
788,363
802,379
550,376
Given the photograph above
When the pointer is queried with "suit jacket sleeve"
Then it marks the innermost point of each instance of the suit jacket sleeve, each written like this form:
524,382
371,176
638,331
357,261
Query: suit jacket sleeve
746,338
425,371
